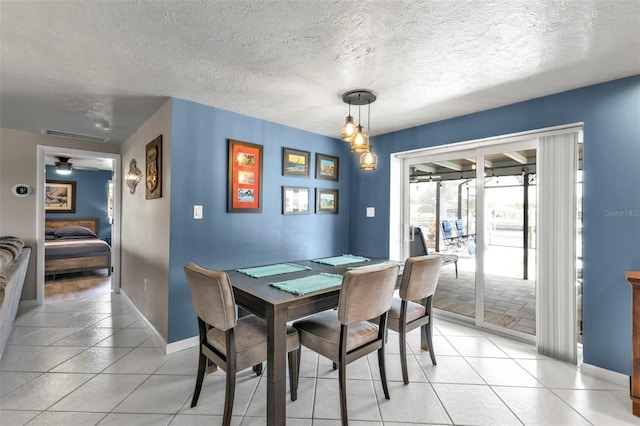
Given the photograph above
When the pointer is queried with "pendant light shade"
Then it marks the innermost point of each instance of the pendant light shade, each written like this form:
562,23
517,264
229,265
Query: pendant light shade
349,129
360,142
369,160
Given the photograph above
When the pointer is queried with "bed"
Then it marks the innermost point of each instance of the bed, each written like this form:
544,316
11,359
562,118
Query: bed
72,245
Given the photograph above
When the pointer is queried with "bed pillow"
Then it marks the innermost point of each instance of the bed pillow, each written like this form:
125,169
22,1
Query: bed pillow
49,231
49,237
74,232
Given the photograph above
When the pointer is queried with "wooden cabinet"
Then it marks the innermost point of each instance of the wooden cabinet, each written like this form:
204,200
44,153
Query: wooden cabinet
634,279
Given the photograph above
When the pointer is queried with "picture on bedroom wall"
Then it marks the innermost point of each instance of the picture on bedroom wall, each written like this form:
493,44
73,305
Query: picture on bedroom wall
153,169
60,196
245,177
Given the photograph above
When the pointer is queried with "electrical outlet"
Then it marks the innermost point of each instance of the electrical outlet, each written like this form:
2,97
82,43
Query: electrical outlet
145,285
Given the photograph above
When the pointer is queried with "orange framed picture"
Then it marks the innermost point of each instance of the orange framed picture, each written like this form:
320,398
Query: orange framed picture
245,177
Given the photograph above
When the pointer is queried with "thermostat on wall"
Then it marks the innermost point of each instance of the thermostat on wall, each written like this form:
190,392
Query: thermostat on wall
21,190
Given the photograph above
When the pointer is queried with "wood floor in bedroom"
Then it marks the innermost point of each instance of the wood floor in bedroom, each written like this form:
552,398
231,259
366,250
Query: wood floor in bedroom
76,285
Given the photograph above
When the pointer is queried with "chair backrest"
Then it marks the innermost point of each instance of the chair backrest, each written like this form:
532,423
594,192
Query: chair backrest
459,227
446,230
366,293
212,296
417,245
420,277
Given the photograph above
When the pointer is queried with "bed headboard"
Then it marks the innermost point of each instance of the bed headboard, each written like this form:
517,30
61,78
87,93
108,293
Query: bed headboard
91,223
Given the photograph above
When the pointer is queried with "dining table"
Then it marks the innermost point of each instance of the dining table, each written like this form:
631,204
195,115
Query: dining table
277,307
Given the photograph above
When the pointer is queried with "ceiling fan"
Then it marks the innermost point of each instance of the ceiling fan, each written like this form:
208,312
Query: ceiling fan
64,166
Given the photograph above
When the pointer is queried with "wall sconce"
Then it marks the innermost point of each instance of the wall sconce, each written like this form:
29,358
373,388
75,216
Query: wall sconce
133,176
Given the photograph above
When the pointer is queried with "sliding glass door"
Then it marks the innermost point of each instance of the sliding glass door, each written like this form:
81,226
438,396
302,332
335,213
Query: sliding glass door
478,207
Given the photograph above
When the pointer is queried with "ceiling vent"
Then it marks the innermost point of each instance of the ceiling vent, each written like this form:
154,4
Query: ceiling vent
76,136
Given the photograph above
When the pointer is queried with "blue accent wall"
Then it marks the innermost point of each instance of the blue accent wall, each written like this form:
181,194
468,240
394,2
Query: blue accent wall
92,194
611,203
221,240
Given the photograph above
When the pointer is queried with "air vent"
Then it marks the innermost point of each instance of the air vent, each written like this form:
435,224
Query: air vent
76,136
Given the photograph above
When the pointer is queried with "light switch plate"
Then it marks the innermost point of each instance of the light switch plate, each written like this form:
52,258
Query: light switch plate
371,212
197,212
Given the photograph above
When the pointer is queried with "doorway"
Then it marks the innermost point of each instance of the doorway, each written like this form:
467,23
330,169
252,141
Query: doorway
82,283
489,189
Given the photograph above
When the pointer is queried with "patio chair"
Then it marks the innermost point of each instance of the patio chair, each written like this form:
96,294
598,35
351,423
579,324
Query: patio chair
451,241
418,247
467,239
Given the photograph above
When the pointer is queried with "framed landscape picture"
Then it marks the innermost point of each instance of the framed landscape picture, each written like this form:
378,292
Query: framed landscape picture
295,200
326,167
326,200
295,162
60,196
245,177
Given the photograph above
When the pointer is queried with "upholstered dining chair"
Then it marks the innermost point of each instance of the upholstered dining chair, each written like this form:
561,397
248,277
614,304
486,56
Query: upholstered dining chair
228,342
345,335
419,281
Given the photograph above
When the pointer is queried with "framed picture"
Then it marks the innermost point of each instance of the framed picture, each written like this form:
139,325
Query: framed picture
60,196
326,167
295,162
153,169
245,177
326,200
295,200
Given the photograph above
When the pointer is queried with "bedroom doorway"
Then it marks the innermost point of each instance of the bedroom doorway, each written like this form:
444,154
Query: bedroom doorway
94,195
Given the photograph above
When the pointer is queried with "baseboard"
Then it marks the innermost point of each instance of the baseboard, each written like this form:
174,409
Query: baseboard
26,303
604,374
182,344
168,348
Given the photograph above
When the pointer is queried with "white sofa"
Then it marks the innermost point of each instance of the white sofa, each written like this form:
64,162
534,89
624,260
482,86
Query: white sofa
14,274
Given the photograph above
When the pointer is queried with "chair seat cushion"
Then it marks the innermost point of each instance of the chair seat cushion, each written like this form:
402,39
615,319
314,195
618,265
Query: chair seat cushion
321,333
414,311
251,341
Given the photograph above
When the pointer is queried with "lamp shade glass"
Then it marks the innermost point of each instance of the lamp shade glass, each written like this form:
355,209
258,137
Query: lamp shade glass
349,129
360,142
369,160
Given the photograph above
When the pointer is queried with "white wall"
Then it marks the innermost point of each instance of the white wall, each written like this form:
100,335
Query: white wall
18,164
145,226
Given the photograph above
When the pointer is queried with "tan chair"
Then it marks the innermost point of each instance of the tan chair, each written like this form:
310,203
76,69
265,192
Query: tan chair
419,281
226,341
345,335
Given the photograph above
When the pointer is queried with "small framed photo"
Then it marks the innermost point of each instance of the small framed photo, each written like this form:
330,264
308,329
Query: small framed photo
326,167
295,200
60,196
295,162
326,200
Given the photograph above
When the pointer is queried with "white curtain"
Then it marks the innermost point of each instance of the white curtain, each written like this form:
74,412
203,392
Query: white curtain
556,268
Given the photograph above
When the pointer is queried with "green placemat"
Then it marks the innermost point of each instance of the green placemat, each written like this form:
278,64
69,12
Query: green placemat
277,269
345,259
302,286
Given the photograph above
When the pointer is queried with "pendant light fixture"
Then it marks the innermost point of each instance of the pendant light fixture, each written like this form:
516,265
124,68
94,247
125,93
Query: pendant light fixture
358,136
349,128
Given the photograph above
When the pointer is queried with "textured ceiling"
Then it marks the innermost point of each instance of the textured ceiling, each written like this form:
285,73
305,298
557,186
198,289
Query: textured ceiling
66,65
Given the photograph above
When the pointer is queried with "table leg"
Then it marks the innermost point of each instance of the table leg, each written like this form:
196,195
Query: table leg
277,367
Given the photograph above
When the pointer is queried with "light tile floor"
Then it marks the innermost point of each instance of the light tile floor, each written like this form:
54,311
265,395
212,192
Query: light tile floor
92,361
